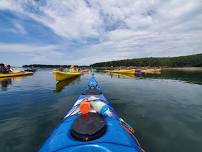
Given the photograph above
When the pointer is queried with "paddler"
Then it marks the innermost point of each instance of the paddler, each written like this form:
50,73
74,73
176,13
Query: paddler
73,68
3,69
9,69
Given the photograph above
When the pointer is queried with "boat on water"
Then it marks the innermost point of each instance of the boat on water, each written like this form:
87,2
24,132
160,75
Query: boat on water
16,74
124,71
92,125
128,75
60,75
30,70
84,70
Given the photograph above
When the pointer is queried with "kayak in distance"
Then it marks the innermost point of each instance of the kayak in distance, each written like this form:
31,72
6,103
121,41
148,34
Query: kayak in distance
119,75
92,125
16,74
136,71
30,70
60,75
64,74
129,71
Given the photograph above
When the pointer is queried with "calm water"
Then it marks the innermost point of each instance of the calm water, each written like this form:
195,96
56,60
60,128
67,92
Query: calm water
165,110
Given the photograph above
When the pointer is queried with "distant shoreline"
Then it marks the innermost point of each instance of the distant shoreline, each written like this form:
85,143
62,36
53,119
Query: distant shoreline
123,67
184,69
49,66
194,60
180,63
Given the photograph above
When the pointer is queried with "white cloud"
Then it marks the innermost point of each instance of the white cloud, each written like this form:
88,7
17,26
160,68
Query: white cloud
124,28
36,53
24,48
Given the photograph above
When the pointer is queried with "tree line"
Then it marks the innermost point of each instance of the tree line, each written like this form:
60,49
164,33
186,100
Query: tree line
180,61
49,66
44,66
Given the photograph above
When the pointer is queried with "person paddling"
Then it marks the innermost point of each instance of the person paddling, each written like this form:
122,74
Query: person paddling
9,69
3,69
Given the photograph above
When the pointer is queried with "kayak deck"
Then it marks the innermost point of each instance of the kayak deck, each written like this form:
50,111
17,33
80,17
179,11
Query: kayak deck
118,135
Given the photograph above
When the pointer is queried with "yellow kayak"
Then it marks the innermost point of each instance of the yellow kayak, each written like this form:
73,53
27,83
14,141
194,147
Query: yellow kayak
60,76
15,74
123,74
131,71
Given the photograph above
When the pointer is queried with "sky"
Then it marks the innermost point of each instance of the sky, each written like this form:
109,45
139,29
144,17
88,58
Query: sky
88,31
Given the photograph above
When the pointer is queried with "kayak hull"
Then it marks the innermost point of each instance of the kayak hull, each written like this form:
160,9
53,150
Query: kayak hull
123,74
17,74
60,76
118,136
124,71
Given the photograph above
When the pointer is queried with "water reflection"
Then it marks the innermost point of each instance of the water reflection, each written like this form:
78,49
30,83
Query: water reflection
187,76
62,84
194,77
5,82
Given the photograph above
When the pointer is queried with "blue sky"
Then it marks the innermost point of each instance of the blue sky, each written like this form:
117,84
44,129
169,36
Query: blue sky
88,31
